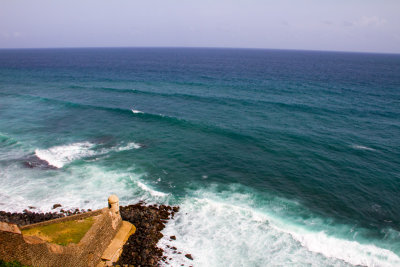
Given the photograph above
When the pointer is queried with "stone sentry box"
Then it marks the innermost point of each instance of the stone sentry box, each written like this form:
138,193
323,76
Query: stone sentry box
33,251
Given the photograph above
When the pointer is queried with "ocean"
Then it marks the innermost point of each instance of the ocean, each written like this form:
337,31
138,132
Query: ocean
276,158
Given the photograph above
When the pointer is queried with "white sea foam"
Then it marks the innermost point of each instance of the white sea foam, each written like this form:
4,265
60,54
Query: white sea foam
362,147
152,192
349,251
136,111
129,146
77,187
119,147
229,232
58,156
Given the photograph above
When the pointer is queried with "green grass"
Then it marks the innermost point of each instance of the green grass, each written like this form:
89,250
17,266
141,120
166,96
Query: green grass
62,233
11,264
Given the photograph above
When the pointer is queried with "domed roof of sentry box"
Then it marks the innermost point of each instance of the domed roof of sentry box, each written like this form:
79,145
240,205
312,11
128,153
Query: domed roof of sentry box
113,199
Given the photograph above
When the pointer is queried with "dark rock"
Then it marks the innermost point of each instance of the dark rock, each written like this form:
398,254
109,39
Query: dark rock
28,217
151,262
141,248
35,162
173,237
189,256
56,206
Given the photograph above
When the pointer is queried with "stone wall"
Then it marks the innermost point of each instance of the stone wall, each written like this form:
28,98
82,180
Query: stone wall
64,219
35,252
96,240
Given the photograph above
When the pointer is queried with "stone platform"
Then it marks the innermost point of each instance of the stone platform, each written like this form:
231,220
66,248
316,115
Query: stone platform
102,243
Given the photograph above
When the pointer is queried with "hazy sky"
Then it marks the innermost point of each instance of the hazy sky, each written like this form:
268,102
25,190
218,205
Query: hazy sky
347,25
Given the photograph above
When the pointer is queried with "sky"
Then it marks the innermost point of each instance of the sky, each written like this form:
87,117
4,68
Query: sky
334,25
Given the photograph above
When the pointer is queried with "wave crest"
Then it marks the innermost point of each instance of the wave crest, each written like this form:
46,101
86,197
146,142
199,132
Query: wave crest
360,147
221,228
58,156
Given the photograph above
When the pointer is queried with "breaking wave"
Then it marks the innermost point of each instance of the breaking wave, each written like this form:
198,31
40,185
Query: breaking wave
129,146
58,156
152,192
362,147
218,230
136,111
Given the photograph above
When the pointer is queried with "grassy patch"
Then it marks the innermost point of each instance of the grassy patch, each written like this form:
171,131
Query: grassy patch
62,233
11,264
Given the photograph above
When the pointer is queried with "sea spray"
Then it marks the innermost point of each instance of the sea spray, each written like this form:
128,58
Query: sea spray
58,156
219,228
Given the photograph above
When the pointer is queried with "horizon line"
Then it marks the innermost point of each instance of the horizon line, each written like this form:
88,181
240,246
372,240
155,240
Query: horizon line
200,47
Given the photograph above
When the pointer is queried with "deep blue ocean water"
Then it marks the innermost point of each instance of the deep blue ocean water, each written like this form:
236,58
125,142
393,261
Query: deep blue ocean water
275,157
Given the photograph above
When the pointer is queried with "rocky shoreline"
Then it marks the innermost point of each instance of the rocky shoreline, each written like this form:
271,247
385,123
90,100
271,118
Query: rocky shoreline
29,217
140,249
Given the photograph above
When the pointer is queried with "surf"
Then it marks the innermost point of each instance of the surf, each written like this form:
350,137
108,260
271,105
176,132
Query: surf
219,228
58,156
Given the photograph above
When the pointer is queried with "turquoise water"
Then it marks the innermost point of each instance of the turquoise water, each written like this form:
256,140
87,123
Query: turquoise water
275,157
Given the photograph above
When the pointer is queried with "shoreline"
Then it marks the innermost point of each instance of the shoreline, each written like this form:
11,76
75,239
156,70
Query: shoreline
141,248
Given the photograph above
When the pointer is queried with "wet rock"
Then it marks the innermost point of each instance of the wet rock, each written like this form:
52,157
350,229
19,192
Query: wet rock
141,248
189,256
173,237
56,206
34,162
28,217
